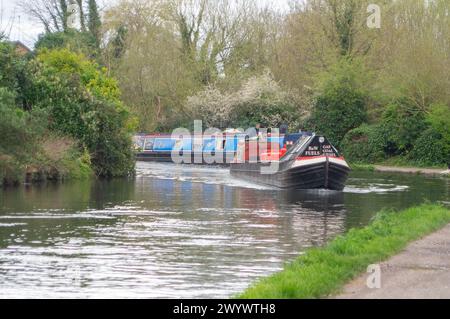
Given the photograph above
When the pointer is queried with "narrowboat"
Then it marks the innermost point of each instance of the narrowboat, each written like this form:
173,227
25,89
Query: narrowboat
302,160
213,150
310,163
218,150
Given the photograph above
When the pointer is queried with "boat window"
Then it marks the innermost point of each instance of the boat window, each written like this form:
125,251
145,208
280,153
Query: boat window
209,145
187,144
164,144
148,144
279,140
231,143
292,153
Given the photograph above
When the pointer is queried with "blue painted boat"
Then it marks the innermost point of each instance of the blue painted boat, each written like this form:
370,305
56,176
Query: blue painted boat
222,148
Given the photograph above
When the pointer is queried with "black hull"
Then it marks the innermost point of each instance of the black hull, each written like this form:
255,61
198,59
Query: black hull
325,175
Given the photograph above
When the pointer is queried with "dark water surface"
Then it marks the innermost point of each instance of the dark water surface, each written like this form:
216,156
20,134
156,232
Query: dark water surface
174,231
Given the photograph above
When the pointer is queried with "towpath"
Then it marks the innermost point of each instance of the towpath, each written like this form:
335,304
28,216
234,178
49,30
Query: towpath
411,170
422,270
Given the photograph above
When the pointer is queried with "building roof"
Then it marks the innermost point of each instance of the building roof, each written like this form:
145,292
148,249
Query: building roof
20,47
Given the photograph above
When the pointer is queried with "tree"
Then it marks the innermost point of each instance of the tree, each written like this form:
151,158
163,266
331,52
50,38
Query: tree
340,105
145,55
13,72
82,42
259,100
164,51
53,14
8,66
118,44
210,31
94,23
413,53
82,15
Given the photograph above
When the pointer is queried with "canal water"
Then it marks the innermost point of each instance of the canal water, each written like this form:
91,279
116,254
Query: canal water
178,231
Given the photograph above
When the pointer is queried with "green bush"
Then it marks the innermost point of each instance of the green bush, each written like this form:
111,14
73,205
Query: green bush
341,104
16,142
13,71
11,171
104,135
8,66
439,119
430,149
364,144
84,103
18,128
76,41
403,124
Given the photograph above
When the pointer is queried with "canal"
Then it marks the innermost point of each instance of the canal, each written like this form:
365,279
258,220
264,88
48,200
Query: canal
178,231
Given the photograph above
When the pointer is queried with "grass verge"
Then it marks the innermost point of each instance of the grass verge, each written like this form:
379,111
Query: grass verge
321,272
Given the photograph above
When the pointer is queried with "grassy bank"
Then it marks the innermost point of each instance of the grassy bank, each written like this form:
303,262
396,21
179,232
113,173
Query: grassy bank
322,272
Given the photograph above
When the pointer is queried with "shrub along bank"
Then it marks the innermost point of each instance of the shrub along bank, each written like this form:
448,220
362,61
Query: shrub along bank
60,117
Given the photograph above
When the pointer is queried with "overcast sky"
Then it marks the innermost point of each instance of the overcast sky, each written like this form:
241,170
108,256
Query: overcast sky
18,26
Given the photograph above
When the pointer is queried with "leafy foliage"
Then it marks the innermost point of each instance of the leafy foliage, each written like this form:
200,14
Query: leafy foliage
19,131
433,145
12,71
12,124
439,120
8,68
431,149
341,104
366,143
84,103
262,100
65,64
403,123
73,40
94,22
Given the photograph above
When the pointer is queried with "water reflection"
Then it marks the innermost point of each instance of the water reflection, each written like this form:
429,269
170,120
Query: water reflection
176,231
